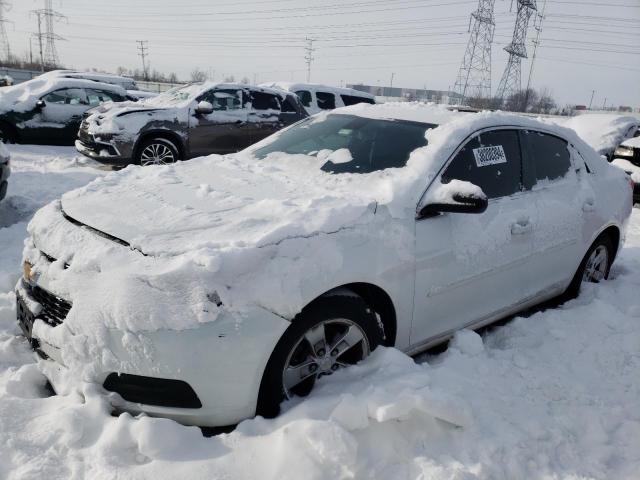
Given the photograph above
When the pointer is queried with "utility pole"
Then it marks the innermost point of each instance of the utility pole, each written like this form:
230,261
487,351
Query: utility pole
309,57
48,53
537,24
517,50
392,75
474,76
604,104
142,49
593,92
5,51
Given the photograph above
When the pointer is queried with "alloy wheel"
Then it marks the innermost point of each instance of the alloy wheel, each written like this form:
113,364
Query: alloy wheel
595,269
157,154
323,349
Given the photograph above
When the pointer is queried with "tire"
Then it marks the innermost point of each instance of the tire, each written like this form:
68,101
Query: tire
7,133
157,151
334,315
585,273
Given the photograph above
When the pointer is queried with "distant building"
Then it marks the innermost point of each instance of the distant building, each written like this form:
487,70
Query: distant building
409,94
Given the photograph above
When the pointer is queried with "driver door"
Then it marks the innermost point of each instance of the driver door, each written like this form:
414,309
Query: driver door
59,118
225,129
473,266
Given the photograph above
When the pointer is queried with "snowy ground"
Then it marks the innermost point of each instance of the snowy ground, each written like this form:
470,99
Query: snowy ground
555,395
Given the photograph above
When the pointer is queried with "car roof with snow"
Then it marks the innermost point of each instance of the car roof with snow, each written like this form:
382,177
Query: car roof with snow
603,131
292,87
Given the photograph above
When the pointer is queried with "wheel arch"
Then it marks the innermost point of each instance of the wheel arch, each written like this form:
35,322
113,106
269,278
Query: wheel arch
376,298
170,135
12,128
614,233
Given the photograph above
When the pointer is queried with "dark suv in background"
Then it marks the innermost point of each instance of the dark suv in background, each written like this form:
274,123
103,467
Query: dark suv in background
186,122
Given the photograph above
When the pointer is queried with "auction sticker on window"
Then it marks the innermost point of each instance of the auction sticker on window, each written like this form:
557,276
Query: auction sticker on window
489,155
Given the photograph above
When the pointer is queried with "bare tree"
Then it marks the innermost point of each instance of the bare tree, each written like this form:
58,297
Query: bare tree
198,75
229,79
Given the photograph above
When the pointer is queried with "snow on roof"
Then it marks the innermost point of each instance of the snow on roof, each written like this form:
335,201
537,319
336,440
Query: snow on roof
292,87
632,142
603,131
22,97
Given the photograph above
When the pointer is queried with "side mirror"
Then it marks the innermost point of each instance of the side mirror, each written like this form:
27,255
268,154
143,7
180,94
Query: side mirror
40,104
204,108
455,197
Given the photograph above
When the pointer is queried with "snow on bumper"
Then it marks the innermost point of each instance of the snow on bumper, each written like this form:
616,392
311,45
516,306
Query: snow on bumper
222,361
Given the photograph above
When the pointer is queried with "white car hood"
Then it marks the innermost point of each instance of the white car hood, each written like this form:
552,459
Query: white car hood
213,202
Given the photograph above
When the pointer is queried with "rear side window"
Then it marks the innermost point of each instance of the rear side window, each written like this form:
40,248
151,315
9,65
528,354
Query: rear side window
326,100
305,97
548,156
353,99
289,104
264,101
492,161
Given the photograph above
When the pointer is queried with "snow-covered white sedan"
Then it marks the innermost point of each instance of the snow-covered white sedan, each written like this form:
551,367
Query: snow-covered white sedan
209,291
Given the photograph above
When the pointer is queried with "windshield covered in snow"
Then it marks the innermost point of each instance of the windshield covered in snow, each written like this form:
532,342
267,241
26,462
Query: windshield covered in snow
349,143
176,96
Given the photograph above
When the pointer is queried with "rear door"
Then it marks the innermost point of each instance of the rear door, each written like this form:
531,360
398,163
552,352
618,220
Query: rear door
564,201
265,115
473,266
225,130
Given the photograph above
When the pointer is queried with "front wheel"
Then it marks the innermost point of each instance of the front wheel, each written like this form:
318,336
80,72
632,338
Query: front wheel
595,265
157,151
332,333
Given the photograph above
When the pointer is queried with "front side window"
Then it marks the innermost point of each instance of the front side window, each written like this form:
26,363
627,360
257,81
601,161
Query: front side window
326,100
264,101
223,99
353,100
548,155
66,96
305,97
492,161
365,144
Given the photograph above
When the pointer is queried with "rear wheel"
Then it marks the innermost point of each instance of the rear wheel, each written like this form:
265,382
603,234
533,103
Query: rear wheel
157,151
595,265
332,333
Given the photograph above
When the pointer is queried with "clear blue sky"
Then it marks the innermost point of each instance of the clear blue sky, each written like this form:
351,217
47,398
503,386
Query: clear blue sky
586,45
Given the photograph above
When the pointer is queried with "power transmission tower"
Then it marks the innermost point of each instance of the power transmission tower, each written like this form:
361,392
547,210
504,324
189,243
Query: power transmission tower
309,57
517,50
538,26
47,16
143,52
474,76
5,51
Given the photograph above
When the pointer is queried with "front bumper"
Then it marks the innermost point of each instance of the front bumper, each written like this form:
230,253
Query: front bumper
222,361
102,152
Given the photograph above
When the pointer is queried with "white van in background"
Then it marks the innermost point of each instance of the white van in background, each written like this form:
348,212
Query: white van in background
316,97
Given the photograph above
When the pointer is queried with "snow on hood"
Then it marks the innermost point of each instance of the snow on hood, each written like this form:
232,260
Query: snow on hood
214,202
603,132
23,97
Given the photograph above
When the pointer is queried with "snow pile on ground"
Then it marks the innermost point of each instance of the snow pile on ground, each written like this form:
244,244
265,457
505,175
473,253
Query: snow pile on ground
554,395
603,132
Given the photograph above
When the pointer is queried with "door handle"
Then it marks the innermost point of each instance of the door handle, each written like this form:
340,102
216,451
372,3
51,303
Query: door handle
521,227
589,205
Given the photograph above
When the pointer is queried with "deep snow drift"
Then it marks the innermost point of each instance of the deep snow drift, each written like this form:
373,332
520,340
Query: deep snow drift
555,395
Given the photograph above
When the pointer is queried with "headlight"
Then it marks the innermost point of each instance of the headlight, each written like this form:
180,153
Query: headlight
623,151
